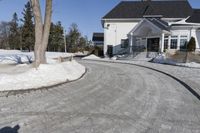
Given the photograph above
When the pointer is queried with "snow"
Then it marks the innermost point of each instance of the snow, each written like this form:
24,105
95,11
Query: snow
18,57
54,55
163,60
92,56
183,22
45,75
25,76
84,53
191,64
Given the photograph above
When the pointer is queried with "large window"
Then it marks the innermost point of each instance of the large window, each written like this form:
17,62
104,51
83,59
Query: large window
183,42
166,42
124,43
174,42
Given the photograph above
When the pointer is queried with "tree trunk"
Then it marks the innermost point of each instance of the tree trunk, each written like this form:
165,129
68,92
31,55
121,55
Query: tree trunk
41,30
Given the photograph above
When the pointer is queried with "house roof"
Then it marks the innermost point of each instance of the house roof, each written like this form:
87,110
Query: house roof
159,23
195,17
98,37
138,9
143,29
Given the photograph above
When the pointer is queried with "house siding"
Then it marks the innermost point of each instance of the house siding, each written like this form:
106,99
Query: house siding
198,39
115,32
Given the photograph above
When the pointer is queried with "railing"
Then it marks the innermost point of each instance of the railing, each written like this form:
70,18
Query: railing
123,51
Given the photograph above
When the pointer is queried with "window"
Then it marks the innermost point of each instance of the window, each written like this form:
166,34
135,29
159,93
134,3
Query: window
183,42
166,42
124,43
174,42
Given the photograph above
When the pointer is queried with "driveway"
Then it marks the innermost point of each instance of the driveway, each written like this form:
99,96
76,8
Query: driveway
110,98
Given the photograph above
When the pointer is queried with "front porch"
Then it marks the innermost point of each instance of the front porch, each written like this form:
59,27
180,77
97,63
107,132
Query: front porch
149,37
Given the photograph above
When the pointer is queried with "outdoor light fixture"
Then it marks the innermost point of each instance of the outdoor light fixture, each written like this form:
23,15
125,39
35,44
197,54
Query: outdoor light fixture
107,26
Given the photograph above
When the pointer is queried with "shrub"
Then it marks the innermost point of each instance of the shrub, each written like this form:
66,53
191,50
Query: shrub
191,46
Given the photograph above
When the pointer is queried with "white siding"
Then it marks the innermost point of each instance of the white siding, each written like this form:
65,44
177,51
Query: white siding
180,33
115,32
190,33
198,38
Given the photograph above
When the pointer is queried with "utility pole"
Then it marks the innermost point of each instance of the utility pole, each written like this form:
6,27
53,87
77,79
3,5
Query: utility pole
65,41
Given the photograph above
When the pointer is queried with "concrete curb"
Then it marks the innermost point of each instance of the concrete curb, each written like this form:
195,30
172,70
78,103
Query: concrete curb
16,92
189,88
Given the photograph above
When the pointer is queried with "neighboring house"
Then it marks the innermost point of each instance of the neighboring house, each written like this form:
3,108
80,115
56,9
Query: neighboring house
98,41
154,26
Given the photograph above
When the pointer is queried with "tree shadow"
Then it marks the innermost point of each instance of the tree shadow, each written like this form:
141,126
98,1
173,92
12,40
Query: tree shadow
10,129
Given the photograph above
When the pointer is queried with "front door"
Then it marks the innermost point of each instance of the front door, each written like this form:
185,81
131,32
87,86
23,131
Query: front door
153,44
110,50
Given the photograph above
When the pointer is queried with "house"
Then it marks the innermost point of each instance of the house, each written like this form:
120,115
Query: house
154,26
98,41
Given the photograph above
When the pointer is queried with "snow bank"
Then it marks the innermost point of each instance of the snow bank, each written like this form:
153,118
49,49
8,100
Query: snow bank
84,53
2,51
163,60
45,75
92,56
16,56
54,55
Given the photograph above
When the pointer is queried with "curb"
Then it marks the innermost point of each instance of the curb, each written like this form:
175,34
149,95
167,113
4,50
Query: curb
189,88
16,92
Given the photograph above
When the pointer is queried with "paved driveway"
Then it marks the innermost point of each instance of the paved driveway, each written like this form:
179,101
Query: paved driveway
111,98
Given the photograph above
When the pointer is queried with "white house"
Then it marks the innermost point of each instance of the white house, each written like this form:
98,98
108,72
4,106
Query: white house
152,25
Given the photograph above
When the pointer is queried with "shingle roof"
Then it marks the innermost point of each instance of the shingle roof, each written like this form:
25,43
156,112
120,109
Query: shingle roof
159,23
195,17
138,9
98,37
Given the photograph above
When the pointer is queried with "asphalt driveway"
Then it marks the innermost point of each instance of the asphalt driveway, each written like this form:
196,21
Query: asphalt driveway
110,98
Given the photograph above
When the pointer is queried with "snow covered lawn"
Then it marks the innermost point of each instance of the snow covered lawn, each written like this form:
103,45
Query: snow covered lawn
16,56
45,75
24,76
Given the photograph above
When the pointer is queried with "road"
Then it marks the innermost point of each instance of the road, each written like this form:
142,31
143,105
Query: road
110,98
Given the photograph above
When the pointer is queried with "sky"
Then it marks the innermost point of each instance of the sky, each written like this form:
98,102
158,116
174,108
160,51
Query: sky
86,13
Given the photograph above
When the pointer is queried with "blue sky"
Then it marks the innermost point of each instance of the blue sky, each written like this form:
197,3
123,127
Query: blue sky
86,13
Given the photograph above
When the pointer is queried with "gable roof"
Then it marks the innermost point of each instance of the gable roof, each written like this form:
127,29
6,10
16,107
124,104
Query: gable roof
155,23
138,9
159,23
195,17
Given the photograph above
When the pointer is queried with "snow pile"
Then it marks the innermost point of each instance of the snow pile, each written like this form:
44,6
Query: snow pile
84,53
20,77
54,55
18,57
13,57
91,57
45,75
114,58
163,60
9,51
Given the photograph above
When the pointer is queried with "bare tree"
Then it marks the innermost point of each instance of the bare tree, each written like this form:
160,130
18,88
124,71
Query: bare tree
41,30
